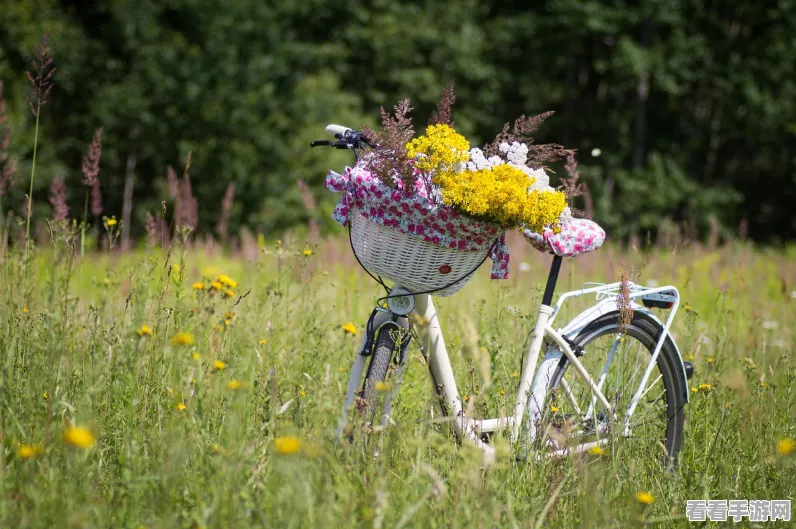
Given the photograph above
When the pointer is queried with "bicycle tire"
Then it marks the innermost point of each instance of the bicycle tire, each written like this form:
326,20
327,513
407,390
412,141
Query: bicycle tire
647,331
380,360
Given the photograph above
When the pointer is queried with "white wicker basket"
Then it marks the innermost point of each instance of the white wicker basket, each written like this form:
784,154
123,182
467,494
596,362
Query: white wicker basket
410,261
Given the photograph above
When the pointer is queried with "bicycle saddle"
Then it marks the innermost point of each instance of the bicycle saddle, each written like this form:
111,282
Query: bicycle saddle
578,236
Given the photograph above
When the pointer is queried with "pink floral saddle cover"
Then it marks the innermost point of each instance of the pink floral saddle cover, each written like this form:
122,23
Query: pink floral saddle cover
577,236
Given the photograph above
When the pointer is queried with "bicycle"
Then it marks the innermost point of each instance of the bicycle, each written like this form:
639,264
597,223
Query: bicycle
584,391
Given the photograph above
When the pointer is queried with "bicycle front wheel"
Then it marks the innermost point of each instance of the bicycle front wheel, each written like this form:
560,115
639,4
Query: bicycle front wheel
571,419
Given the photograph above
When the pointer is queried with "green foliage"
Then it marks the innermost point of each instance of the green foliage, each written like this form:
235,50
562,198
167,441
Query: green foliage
693,106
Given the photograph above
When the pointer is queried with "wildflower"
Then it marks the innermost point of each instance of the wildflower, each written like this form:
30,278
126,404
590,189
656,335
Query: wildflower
307,252
645,498
79,437
596,451
466,398
350,328
218,328
287,445
229,293
262,341
182,338
764,384
216,448
219,365
215,285
705,387
175,268
786,447
111,222
144,330
25,310
368,513
515,375
382,386
181,406
302,394
341,369
710,360
553,408
198,286
694,390
227,322
229,315
195,356
688,308
501,392
234,384
227,281
26,451
45,396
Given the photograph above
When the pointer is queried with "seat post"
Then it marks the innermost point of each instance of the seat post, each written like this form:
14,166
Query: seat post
552,279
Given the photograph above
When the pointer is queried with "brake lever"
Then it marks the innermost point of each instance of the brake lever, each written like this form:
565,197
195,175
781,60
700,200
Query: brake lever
318,143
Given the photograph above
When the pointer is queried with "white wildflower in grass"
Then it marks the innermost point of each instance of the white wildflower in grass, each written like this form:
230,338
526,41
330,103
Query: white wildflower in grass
596,152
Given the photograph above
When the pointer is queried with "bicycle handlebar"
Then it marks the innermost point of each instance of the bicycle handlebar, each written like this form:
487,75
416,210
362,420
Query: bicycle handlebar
346,138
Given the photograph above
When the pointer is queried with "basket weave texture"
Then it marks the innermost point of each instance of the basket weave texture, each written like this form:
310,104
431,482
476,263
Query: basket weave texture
410,239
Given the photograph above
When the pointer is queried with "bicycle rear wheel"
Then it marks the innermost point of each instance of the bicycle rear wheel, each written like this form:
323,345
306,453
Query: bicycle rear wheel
570,418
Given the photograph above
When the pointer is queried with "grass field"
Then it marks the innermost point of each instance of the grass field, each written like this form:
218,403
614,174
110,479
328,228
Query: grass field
183,391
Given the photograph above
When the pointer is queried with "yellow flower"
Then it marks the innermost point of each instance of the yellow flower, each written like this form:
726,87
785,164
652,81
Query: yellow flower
218,327
45,396
262,341
229,293
553,408
710,360
235,384
307,252
181,406
705,387
341,369
441,149
175,268
195,356
229,315
198,286
227,322
302,394
515,375
216,448
27,451
144,330
215,285
501,392
79,437
786,447
382,386
287,445
227,281
645,497
219,365
368,513
111,222
596,451
182,338
694,390
25,310
466,398
350,328
764,384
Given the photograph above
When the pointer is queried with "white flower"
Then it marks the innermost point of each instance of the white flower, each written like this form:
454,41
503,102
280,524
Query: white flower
525,267
504,147
596,152
495,160
540,179
565,217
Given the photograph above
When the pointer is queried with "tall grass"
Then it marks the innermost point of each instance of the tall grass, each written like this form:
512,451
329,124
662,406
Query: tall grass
184,429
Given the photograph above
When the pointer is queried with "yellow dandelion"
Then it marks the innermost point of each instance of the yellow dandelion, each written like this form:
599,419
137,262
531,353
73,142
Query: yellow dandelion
466,398
198,286
307,252
694,390
144,330
182,338
515,375
229,293
235,384
350,328
382,386
45,396
218,327
688,308
645,498
764,384
302,394
111,222
25,310
786,447
705,387
181,406
26,451
227,281
262,341
596,451
229,315
553,408
227,322
341,369
287,445
215,285
219,365
710,360
79,437
501,392
196,356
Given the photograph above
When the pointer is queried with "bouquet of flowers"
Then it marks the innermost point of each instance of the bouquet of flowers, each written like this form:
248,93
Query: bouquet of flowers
444,201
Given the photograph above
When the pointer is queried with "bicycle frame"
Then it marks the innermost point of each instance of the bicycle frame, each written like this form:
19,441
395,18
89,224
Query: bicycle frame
543,333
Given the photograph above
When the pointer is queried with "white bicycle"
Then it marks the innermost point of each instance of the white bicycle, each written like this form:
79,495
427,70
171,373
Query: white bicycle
607,373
